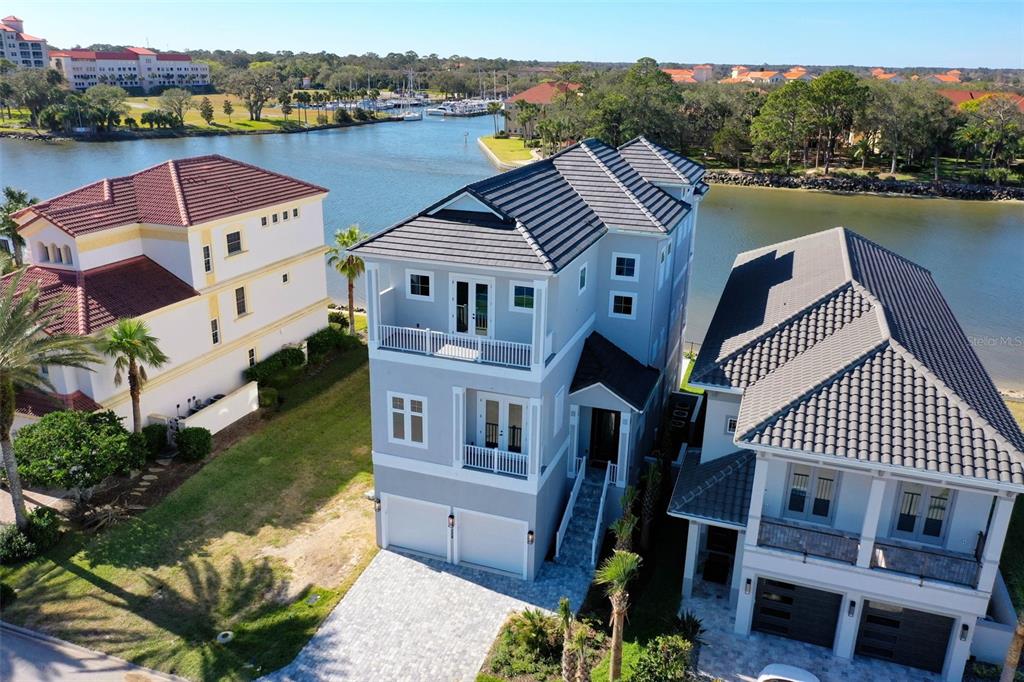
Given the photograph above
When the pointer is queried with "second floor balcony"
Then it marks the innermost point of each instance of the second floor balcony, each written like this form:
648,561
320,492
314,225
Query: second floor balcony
465,347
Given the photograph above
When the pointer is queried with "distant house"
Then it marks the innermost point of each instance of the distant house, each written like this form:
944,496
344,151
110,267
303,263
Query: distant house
20,48
543,95
797,73
131,67
741,74
950,77
881,74
958,97
698,74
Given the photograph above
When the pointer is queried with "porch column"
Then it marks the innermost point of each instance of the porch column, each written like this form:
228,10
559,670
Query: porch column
745,604
959,649
690,560
574,440
624,440
737,569
535,431
458,424
756,503
869,529
540,321
372,277
849,624
994,537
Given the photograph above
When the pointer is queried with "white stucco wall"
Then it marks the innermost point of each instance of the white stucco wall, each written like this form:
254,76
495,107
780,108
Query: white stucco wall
717,441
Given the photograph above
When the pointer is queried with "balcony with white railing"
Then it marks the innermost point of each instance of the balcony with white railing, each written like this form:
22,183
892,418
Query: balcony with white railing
462,347
495,460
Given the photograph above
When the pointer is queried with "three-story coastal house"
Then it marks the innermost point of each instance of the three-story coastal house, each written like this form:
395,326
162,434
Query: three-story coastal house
524,331
858,468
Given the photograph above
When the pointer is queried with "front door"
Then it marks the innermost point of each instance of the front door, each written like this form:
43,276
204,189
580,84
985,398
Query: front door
720,555
471,307
604,435
500,423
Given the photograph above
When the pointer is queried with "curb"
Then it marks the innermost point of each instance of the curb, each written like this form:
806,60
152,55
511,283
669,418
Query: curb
47,639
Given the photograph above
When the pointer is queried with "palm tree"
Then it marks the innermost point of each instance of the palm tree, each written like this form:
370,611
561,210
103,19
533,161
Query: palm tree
348,265
1013,652
494,108
14,201
615,574
132,347
567,622
26,348
581,652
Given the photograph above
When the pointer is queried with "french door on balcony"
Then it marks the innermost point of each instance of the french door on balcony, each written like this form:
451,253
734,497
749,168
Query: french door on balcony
500,421
472,306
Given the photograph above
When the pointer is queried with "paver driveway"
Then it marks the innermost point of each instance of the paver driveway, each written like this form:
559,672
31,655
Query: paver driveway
408,618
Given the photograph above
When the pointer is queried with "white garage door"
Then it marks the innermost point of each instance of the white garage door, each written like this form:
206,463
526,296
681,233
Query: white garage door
490,541
416,525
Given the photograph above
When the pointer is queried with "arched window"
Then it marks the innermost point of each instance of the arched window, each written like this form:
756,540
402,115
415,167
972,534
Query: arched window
55,253
67,255
44,253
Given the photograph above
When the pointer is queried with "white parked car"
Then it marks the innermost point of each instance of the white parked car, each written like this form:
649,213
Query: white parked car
780,672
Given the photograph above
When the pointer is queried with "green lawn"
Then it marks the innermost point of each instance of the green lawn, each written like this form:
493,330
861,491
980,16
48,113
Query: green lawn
508,150
263,541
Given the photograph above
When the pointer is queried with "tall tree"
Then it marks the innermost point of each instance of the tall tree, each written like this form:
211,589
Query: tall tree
782,124
568,622
35,89
14,201
177,102
836,98
348,265
494,109
27,347
206,110
615,574
108,102
228,108
255,86
527,113
132,347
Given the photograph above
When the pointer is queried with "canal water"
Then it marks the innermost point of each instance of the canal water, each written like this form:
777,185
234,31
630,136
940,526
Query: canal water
378,174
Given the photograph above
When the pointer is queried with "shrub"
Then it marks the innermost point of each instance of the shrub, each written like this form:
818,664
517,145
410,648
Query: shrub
342,116
194,443
137,454
43,528
156,439
530,643
15,546
7,595
324,340
286,357
664,659
321,119
502,135
268,397
338,317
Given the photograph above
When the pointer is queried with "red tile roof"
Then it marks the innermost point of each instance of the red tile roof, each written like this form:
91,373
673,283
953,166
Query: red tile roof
945,77
140,50
182,192
36,403
958,97
681,75
94,299
128,54
172,57
543,93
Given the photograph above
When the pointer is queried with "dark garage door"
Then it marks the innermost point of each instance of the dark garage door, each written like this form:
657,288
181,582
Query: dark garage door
904,636
796,612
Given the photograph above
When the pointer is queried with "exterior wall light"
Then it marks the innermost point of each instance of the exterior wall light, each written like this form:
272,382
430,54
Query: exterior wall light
451,520
530,537
376,504
852,608
747,586
964,629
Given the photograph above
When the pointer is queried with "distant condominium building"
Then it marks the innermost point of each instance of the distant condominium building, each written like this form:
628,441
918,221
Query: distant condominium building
133,67
20,48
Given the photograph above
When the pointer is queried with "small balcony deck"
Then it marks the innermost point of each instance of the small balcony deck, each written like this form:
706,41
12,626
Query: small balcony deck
808,540
926,564
455,346
496,461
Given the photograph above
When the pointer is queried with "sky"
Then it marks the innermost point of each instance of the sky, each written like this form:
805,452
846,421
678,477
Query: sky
899,33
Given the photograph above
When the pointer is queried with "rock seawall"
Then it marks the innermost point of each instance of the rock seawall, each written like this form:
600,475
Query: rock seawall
949,190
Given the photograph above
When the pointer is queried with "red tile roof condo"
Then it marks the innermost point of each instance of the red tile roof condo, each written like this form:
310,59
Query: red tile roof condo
543,93
179,193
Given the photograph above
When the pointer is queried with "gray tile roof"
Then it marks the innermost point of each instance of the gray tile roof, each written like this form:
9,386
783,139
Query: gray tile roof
718,490
844,348
557,208
658,164
602,362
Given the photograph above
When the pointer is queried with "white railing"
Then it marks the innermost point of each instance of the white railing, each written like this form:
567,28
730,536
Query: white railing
577,466
495,460
455,346
595,546
613,472
567,516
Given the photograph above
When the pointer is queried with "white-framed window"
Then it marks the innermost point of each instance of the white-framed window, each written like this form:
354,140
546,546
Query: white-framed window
234,242
559,411
252,357
730,424
273,217
241,304
295,213
207,258
811,493
408,419
284,215
215,331
520,297
625,267
582,280
921,512
263,221
622,304
419,285
284,278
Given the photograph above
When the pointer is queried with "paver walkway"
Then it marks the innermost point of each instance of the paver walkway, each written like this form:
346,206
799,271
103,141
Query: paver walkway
736,659
408,618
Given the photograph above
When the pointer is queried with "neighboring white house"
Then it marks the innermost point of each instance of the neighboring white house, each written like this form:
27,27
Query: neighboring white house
858,467
20,48
129,68
524,333
223,260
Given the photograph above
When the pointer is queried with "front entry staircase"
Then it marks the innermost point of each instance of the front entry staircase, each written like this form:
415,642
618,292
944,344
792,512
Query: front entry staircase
579,536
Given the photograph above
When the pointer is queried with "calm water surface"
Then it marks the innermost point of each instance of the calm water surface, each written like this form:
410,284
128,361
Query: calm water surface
381,173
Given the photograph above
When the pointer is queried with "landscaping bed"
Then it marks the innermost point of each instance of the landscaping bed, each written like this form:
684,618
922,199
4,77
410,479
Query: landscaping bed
262,541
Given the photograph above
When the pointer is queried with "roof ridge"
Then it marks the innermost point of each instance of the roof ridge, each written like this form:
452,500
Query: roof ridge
847,233
179,195
534,246
657,152
628,192
82,303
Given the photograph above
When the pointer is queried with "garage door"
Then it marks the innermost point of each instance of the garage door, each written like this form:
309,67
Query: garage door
416,525
490,541
904,636
796,612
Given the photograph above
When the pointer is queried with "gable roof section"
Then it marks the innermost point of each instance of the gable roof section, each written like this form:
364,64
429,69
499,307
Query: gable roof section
557,208
86,302
179,193
657,164
37,403
844,348
602,362
543,93
718,490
